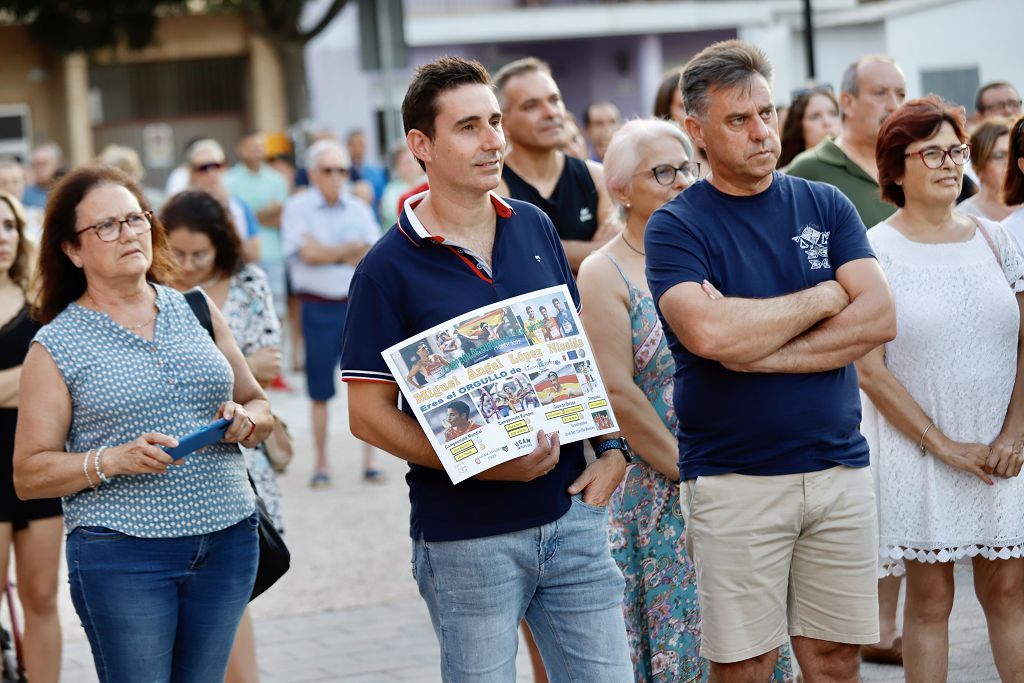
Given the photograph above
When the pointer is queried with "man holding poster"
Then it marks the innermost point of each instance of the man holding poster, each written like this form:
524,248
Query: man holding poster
526,537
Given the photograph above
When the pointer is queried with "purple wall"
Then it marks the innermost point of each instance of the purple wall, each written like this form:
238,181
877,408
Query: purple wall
587,69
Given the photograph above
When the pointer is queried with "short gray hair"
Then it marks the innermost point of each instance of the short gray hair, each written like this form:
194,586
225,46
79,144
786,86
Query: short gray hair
721,65
851,80
319,147
205,145
627,146
526,65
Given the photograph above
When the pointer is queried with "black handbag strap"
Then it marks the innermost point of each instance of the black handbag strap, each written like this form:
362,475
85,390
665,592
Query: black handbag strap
201,308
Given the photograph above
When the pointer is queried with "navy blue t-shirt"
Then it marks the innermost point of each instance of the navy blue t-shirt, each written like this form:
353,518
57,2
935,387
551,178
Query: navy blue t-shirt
790,237
411,281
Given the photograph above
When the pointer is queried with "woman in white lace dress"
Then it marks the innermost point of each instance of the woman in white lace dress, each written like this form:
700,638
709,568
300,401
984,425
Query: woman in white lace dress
946,418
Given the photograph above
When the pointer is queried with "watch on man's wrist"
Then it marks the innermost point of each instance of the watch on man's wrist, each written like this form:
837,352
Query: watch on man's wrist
618,444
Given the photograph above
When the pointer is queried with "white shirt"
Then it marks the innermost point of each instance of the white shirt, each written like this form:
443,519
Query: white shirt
350,219
1014,224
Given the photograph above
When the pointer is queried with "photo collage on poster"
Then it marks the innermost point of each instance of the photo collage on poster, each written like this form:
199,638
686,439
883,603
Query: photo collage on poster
484,383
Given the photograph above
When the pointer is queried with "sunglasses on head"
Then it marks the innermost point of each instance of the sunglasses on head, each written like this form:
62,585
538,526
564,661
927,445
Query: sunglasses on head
206,168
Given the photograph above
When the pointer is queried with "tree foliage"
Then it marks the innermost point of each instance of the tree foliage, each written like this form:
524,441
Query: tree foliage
87,25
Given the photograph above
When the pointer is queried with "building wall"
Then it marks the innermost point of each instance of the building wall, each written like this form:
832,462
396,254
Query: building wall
981,33
34,75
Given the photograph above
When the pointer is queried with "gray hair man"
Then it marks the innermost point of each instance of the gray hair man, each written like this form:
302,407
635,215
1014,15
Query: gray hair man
872,88
325,233
770,291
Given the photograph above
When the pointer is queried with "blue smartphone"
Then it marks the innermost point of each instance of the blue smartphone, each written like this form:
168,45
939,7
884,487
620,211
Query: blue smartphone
211,433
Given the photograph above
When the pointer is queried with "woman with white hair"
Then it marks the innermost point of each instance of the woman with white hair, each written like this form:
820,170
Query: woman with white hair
648,162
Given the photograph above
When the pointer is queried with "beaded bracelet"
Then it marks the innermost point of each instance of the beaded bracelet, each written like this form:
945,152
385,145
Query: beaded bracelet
85,468
96,463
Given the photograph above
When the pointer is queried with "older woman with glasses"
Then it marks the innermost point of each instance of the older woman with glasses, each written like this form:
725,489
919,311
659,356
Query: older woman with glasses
946,414
162,552
32,528
990,148
647,164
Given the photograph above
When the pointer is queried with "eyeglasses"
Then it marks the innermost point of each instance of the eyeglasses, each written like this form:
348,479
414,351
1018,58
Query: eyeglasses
1012,106
206,168
935,157
333,170
665,174
110,229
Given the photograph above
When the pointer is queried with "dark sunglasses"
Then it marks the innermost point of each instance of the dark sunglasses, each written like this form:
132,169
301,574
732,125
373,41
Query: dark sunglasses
206,168
333,170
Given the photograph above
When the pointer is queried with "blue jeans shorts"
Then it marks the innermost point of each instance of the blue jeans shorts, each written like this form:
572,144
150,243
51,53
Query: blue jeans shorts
323,326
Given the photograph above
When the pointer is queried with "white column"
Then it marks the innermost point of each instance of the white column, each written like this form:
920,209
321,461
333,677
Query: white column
650,67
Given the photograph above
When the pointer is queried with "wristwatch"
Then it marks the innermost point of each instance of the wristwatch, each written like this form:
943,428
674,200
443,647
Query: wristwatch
618,443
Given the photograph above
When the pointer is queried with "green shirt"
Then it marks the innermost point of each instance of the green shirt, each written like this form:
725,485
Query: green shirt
258,190
827,163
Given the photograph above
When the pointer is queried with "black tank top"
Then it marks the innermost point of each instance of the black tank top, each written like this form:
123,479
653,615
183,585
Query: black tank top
572,207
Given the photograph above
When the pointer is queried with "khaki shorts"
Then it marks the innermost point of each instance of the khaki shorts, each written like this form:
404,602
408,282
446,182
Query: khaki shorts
800,549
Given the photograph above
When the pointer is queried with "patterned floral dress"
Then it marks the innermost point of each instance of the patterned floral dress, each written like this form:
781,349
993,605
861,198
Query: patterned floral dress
249,312
646,532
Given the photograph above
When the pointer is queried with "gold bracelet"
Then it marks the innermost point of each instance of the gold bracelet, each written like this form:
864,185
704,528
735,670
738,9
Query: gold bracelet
921,445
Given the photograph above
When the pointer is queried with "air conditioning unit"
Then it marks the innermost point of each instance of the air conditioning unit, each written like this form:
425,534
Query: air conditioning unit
15,131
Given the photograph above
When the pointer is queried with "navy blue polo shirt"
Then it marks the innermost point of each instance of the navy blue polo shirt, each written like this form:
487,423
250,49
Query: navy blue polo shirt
411,281
790,237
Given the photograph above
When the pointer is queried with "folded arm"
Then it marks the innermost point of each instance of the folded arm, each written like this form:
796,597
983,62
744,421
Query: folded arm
738,330
869,321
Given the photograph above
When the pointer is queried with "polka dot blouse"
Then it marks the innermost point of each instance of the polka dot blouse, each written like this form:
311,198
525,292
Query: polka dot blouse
123,386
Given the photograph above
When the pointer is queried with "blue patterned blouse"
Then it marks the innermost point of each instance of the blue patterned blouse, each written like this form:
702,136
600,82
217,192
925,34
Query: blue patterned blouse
123,386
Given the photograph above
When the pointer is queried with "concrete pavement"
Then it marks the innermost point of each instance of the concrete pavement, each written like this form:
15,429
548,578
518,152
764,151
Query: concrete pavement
349,611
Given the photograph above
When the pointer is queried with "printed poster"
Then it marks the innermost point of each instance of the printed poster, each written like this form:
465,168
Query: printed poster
483,384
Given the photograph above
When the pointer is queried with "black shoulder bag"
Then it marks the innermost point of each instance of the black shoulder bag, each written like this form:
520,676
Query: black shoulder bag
274,555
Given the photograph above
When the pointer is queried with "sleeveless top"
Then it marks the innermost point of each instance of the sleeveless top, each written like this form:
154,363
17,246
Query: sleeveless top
572,207
653,367
122,386
15,337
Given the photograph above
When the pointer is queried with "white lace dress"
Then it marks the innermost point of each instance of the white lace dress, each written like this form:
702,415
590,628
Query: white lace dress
956,353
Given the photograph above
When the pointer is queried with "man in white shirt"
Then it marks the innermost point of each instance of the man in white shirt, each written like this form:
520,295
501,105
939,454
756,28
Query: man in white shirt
325,232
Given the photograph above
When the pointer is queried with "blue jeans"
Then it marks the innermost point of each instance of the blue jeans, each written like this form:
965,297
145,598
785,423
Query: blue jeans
560,576
162,610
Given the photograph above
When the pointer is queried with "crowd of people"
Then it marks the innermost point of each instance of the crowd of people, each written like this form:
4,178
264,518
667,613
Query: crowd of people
809,330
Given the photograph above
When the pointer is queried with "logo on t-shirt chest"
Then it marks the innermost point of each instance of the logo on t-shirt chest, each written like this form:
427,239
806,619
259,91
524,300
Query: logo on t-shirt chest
585,215
814,243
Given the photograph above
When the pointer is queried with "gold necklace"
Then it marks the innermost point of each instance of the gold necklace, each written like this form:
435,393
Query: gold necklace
623,236
130,328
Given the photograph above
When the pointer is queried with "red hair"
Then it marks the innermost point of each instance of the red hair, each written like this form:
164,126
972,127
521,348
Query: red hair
916,120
